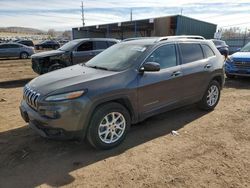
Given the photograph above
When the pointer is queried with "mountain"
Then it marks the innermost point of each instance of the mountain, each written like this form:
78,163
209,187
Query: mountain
21,30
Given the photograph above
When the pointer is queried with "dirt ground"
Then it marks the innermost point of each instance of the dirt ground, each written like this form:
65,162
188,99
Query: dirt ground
212,149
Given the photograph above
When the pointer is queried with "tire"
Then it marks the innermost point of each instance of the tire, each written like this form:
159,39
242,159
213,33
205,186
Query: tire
55,67
103,127
24,55
230,76
209,103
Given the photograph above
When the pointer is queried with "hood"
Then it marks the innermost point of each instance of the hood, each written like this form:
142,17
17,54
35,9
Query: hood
48,54
242,56
69,76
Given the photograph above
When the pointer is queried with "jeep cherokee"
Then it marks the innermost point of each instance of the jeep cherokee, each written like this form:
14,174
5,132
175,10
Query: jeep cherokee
123,85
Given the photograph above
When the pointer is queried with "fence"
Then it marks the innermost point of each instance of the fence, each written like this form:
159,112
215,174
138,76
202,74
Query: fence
236,43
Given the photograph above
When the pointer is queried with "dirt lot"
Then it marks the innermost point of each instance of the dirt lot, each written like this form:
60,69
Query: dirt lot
212,149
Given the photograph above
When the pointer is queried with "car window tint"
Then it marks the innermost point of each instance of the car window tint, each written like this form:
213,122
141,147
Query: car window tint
165,56
190,52
4,46
86,46
207,50
110,43
13,46
100,45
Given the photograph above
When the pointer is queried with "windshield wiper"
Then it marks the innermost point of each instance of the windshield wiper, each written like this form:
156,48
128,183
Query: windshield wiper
97,67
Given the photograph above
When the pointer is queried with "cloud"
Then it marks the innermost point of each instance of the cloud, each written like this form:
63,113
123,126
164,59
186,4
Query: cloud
65,14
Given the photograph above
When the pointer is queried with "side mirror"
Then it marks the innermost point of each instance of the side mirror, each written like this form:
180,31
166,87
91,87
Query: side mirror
150,67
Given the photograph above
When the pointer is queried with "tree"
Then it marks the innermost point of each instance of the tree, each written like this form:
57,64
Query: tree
51,32
67,34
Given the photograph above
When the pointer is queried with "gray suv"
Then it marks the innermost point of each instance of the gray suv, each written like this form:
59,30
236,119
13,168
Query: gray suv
123,85
73,52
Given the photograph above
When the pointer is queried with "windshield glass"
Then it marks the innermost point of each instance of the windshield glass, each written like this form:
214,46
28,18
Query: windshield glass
69,45
246,48
118,57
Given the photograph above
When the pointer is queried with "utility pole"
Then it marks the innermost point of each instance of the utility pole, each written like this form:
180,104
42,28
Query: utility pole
83,19
131,14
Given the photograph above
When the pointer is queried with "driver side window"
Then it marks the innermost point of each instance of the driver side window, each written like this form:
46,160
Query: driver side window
86,46
165,56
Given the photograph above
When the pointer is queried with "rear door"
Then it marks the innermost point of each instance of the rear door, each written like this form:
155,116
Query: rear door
83,52
99,46
160,89
196,70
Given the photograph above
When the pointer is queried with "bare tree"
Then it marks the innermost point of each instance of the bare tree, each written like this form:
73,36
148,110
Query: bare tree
51,32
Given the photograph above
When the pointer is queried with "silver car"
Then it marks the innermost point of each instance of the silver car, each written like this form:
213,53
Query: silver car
15,50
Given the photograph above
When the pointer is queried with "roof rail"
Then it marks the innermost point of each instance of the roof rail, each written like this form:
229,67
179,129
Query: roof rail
181,37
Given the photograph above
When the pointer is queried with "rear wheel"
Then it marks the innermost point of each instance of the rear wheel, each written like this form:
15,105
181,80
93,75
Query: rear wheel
211,96
109,126
24,55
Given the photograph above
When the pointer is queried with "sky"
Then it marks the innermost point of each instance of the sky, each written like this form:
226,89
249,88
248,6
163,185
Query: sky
65,14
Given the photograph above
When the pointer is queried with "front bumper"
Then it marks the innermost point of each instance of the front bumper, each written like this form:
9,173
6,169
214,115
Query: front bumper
231,69
69,120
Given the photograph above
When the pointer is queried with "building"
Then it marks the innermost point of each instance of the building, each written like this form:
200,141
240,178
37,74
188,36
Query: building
162,26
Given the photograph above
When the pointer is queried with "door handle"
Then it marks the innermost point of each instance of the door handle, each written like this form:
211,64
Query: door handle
176,73
207,66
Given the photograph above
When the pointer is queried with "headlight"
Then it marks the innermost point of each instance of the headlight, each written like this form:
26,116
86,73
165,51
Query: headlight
65,96
229,59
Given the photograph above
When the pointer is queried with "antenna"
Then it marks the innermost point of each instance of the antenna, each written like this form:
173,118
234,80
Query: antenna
83,19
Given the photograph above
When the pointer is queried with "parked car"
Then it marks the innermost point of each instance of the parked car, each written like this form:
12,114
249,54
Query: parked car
222,47
15,50
73,52
123,85
47,44
26,42
238,64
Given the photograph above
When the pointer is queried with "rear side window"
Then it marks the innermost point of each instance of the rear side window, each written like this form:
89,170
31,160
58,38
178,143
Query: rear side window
165,56
207,51
100,45
190,52
86,46
14,46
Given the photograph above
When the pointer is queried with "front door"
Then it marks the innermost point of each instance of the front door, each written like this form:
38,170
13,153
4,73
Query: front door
158,90
83,53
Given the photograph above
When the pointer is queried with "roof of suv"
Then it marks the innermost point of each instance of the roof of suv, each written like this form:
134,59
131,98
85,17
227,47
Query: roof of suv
154,40
104,39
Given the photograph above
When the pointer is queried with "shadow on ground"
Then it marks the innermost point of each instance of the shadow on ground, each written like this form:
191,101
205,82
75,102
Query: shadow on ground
28,160
238,83
14,83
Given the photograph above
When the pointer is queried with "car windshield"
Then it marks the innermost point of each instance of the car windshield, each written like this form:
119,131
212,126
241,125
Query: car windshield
246,48
118,57
219,43
69,45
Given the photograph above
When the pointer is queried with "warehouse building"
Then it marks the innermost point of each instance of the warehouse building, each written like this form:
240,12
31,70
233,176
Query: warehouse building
162,26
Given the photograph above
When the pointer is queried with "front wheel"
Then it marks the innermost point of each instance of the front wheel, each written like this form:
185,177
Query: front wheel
109,126
211,96
24,55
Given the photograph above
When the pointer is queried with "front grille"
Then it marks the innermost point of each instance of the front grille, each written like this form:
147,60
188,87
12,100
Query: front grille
36,66
31,97
242,65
